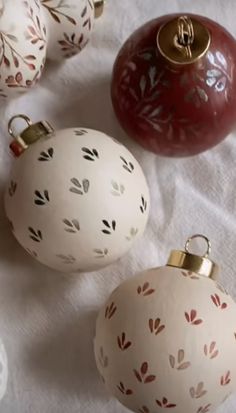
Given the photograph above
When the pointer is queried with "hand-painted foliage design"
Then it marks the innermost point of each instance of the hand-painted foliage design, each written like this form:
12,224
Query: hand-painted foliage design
180,363
143,84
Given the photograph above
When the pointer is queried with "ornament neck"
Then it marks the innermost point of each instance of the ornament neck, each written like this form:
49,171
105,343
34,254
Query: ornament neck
201,265
98,7
29,135
183,40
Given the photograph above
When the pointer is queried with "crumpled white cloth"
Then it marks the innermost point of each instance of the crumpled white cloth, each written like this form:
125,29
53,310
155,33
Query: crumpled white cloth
47,320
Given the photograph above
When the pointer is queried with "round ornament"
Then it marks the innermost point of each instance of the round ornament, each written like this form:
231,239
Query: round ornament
22,46
32,30
70,24
77,199
166,339
3,371
173,86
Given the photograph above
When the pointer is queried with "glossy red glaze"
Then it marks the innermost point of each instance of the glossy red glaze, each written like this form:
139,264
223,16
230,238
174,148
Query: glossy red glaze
179,110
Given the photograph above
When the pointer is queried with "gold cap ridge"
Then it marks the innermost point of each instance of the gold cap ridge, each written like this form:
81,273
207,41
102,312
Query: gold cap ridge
201,265
183,40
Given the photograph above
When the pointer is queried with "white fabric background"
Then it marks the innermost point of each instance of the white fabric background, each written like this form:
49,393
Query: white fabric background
46,319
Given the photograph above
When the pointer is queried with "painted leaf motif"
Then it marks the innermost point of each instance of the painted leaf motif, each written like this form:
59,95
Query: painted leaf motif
180,356
222,60
214,73
211,58
184,366
76,191
152,75
138,376
150,378
202,94
86,185
197,322
149,292
143,84
144,368
76,182
172,361
193,315
187,317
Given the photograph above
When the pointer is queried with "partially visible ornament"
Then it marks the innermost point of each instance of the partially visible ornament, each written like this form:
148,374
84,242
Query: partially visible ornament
70,25
77,199
3,371
32,30
174,82
22,46
166,339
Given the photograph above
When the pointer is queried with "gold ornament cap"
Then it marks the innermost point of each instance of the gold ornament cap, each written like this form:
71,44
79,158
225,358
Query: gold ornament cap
29,135
187,261
183,40
98,7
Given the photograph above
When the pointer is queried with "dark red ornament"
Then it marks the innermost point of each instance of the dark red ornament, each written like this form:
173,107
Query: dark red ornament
174,85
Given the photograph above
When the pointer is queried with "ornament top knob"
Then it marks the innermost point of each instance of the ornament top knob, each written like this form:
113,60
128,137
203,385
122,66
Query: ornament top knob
31,134
99,7
186,260
183,40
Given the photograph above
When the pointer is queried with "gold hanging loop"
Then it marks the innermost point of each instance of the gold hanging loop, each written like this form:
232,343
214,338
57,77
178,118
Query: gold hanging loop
10,124
189,261
188,242
31,134
183,40
185,35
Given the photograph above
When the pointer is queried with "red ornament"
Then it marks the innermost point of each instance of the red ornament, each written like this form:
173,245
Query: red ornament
174,85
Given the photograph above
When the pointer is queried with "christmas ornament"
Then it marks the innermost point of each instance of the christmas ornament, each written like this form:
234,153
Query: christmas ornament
167,338
3,371
77,199
173,85
22,46
70,24
47,28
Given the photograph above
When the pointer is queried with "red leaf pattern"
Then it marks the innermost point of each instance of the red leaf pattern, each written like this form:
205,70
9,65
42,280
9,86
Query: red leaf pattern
122,343
36,32
190,274
211,350
144,409
165,403
192,318
218,302
123,390
204,409
142,375
71,46
110,311
198,392
57,12
225,379
103,360
145,290
155,326
180,364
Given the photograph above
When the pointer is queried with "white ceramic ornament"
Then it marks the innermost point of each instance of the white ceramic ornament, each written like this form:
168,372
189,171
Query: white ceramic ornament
32,30
70,24
22,45
3,371
77,199
166,339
